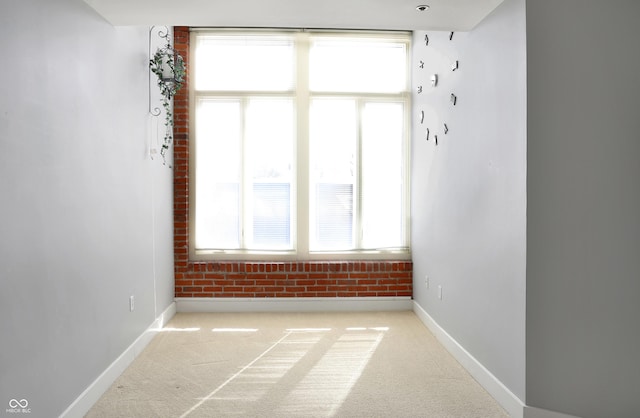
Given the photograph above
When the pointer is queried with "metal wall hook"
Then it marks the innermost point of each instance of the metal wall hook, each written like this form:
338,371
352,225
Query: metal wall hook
163,33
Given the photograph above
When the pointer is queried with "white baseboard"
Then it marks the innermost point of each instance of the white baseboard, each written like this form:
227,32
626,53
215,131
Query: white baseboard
90,396
294,304
510,402
531,412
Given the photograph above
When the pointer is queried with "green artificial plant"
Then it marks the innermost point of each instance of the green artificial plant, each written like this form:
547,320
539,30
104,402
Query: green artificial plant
170,69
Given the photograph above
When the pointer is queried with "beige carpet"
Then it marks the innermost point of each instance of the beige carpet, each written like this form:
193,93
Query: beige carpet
383,364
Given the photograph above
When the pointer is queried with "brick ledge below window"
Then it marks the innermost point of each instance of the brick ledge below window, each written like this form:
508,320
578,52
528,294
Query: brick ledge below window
307,279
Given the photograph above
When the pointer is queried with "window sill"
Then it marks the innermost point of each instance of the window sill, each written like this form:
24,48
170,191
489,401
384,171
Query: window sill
208,255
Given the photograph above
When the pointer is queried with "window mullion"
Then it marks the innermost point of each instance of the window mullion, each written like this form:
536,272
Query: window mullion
358,174
245,177
302,145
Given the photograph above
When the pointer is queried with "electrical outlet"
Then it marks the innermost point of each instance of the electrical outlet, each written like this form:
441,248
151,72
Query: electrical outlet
426,281
131,303
440,292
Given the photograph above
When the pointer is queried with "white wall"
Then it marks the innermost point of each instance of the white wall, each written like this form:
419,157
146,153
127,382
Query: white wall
85,215
583,228
468,193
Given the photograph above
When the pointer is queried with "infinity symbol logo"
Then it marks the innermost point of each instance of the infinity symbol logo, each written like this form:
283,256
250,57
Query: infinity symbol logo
14,403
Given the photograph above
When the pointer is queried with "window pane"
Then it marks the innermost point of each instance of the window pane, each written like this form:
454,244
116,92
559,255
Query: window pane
218,131
271,216
333,226
244,63
269,143
365,65
382,175
332,174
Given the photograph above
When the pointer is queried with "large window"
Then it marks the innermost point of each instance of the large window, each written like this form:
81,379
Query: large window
300,145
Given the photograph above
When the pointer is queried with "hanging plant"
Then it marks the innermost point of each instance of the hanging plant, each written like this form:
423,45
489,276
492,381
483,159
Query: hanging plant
170,69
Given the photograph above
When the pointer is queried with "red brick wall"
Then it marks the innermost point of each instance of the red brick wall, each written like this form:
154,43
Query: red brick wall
263,279
294,279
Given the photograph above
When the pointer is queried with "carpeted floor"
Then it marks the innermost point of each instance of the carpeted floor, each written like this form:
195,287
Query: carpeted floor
382,364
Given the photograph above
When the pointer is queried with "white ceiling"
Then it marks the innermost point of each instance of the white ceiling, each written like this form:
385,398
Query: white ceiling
448,15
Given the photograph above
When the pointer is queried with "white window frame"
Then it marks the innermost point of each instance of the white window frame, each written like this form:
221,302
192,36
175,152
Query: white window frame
302,98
